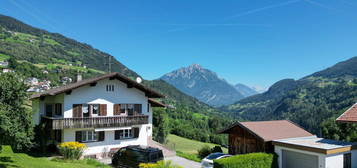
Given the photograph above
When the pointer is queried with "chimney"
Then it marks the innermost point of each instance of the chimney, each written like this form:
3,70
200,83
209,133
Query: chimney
79,77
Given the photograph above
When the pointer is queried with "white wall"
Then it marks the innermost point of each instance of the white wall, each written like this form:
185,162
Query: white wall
325,161
109,141
278,151
38,106
334,161
98,95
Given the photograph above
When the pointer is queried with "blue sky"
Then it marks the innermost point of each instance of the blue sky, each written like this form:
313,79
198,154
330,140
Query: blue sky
255,42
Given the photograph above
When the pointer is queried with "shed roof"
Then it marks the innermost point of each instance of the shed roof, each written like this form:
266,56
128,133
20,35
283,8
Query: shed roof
315,144
271,130
349,115
114,75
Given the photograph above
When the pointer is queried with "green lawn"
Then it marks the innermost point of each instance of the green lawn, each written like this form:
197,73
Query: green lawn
4,57
21,160
187,145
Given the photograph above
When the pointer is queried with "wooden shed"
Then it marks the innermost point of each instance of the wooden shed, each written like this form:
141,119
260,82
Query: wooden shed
249,137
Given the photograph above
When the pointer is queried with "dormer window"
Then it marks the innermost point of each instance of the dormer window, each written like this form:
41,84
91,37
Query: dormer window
110,88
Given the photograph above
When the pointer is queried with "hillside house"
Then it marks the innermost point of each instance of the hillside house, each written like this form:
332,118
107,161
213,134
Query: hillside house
4,63
105,113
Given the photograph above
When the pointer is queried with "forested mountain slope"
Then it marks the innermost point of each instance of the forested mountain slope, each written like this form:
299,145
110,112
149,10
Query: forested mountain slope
32,52
308,101
24,42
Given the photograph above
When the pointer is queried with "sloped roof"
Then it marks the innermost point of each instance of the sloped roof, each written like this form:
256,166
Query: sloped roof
271,130
155,103
349,115
114,75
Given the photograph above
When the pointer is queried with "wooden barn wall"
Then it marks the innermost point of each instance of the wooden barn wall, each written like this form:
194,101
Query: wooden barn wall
241,141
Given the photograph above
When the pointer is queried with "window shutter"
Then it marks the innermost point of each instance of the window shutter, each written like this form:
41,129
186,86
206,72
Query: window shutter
90,109
77,110
101,135
116,135
137,109
116,109
103,110
78,136
136,131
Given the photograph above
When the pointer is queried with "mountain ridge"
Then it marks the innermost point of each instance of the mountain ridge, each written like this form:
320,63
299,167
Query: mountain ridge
245,90
308,101
203,84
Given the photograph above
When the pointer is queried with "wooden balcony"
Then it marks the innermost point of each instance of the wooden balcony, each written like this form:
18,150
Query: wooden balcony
95,122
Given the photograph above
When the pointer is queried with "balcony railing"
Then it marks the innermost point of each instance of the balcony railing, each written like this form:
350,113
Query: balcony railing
95,122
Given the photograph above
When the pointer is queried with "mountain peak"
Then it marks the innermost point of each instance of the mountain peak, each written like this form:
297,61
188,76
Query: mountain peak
195,66
203,84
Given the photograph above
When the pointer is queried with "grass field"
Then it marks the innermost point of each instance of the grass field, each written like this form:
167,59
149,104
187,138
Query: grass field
187,145
21,160
4,57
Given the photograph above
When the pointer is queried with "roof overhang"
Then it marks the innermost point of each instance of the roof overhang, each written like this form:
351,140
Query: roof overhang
226,130
92,82
155,103
314,149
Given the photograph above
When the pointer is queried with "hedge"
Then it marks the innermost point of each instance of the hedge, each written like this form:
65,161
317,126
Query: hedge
252,160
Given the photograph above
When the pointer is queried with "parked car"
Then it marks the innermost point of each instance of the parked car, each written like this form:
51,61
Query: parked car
207,162
132,156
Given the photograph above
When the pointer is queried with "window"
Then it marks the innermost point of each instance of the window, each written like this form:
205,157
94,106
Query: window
58,109
85,110
95,108
49,110
137,109
123,134
110,88
123,108
53,109
347,160
88,136
57,135
130,109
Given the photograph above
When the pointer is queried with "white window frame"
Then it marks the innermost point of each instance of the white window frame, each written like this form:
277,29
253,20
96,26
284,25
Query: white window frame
89,136
98,106
109,88
126,134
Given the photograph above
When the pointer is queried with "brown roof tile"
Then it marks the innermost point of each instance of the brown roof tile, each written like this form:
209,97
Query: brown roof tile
349,115
271,130
115,75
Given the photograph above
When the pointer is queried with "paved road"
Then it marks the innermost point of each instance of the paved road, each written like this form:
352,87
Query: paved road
183,162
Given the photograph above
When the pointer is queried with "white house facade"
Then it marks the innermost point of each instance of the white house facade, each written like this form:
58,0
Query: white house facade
106,113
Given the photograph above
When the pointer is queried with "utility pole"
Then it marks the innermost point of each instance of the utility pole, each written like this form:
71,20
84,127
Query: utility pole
109,63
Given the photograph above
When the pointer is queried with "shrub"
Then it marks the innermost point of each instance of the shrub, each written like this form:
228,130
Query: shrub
159,164
217,149
204,151
71,150
252,160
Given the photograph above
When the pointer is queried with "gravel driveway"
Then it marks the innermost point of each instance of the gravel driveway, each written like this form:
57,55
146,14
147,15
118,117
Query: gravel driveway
183,162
